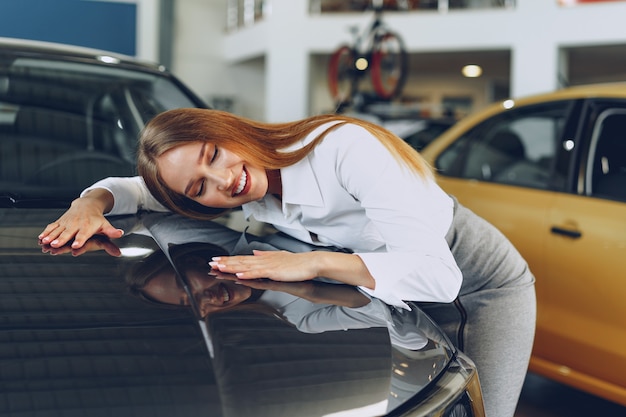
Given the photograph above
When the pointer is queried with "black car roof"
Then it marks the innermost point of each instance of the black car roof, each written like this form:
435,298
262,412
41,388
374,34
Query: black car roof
32,48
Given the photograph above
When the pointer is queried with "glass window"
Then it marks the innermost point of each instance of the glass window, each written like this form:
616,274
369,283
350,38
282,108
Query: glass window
606,176
518,147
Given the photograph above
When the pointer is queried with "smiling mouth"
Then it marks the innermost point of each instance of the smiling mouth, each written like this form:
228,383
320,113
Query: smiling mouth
224,293
243,180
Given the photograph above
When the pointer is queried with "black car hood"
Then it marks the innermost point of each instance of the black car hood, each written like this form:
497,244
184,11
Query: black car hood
76,341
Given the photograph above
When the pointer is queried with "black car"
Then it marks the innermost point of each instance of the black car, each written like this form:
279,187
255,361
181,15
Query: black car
415,129
419,132
79,334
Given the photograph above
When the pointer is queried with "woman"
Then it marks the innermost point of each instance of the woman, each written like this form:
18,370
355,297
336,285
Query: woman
335,181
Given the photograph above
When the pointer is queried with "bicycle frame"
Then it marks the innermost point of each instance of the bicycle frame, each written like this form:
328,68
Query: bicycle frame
376,50
363,44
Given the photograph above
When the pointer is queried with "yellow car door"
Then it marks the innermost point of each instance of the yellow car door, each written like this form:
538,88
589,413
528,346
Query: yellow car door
586,273
583,289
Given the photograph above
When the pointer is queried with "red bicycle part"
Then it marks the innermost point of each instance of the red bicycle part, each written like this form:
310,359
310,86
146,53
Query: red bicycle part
340,74
389,66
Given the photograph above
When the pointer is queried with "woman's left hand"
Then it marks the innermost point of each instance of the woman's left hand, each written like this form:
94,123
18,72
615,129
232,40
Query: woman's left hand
276,265
290,267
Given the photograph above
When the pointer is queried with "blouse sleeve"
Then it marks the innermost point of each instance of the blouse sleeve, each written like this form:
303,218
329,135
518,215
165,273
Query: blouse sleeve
130,195
412,216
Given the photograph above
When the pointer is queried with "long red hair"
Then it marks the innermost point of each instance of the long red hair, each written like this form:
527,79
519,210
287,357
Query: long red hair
259,143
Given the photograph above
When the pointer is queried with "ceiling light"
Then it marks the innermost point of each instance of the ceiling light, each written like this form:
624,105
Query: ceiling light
472,71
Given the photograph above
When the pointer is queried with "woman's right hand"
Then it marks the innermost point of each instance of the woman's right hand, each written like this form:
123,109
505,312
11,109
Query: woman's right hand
82,220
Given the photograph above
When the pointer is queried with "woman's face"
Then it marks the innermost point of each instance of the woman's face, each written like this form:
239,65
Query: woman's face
211,294
212,176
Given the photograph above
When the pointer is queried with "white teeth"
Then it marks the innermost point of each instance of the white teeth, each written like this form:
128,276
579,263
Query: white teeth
242,182
225,295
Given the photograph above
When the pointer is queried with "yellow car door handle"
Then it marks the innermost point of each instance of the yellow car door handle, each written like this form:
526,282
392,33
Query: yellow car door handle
575,234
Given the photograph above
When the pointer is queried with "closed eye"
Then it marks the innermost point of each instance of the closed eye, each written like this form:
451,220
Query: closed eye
202,183
200,190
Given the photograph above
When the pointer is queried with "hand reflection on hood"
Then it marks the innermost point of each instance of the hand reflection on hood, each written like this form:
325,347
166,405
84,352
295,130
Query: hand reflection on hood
156,280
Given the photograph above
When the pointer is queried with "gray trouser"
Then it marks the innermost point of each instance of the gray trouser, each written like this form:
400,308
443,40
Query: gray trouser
493,318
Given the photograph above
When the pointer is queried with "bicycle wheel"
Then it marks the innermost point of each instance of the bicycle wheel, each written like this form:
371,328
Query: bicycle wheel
389,66
340,74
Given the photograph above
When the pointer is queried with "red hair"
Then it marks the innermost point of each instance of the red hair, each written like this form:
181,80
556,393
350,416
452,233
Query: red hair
256,142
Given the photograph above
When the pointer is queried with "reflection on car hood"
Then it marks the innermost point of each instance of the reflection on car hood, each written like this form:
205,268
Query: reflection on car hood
74,338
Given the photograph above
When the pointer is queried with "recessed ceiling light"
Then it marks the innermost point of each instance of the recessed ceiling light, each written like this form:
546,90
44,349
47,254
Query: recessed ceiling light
472,71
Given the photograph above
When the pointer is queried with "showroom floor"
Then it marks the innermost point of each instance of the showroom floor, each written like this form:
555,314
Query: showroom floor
545,398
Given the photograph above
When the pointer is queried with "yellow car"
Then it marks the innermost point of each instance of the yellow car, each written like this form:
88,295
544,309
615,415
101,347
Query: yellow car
550,172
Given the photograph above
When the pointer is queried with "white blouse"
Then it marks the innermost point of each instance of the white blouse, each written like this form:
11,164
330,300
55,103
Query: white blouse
350,192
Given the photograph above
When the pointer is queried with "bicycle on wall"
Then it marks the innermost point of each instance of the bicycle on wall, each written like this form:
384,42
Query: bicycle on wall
379,51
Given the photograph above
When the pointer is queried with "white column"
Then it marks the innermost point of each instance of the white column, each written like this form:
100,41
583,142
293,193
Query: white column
534,68
287,62
147,42
534,54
